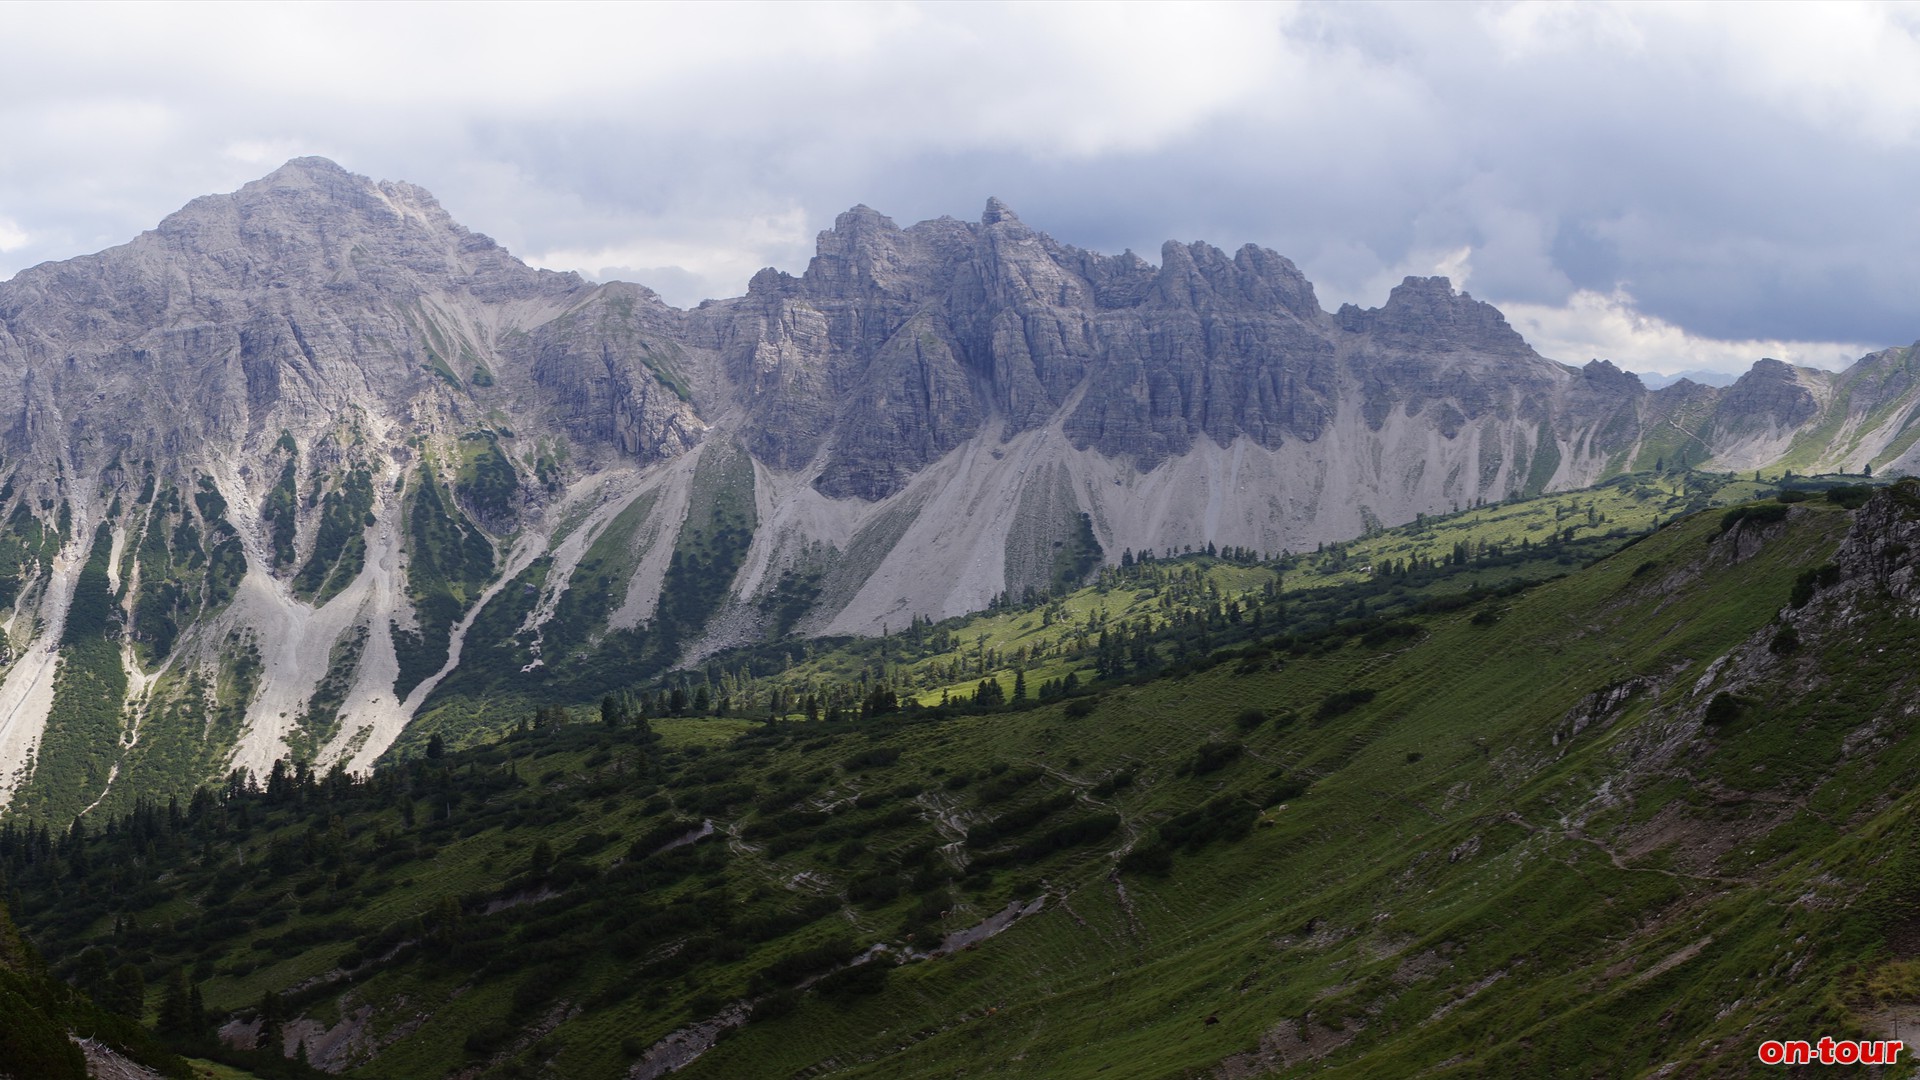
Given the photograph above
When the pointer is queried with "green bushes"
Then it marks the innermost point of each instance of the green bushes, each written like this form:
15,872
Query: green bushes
1210,757
33,1043
1810,581
1077,832
872,891
281,511
874,799
1003,782
1785,642
1154,860
172,575
82,734
1076,558
1286,789
339,544
797,965
486,481
1342,702
1226,818
24,548
1018,820
1724,709
1765,513
1851,496
448,563
871,758
859,980
1389,632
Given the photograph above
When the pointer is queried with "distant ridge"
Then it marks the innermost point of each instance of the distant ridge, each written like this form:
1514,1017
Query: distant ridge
311,458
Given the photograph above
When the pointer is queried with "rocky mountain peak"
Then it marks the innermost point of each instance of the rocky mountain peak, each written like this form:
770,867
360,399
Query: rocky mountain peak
1603,373
861,221
997,212
1426,314
304,188
313,220
312,165
1202,275
770,281
858,252
1770,393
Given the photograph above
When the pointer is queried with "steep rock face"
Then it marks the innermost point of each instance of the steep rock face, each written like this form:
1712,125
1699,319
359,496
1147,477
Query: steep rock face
311,457
852,361
1217,348
611,372
897,345
1770,396
1431,345
282,303
282,425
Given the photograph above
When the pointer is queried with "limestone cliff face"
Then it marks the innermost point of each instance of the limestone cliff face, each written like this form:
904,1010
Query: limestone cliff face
324,456
897,345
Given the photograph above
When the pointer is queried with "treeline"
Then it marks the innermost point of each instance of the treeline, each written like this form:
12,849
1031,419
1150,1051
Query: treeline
1193,618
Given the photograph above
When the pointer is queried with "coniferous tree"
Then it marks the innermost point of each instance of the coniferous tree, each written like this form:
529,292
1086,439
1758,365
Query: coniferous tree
182,1017
126,992
272,1012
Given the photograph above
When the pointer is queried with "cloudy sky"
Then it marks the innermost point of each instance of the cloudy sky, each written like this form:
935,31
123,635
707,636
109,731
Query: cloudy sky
1668,186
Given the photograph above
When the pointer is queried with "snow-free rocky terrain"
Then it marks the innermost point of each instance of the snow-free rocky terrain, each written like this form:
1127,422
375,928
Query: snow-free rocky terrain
311,457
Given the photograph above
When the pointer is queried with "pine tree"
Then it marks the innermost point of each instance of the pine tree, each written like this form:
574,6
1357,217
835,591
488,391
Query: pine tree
126,992
180,1015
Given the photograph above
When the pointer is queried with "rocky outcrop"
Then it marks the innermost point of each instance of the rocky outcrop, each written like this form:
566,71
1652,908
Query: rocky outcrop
1771,394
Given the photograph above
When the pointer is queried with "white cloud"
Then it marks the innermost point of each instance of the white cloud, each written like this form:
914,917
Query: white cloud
12,237
1852,66
1599,326
1456,265
1742,170
696,270
265,153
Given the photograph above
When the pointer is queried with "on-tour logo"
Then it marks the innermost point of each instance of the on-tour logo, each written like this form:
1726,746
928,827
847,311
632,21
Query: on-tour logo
1830,1051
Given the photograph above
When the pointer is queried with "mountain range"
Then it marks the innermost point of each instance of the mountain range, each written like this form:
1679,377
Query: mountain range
311,460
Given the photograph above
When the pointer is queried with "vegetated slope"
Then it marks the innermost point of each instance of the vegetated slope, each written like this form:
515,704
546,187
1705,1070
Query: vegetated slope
1152,611
1650,813
334,460
53,1032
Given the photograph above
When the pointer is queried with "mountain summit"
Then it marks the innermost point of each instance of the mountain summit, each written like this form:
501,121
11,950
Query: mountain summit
311,459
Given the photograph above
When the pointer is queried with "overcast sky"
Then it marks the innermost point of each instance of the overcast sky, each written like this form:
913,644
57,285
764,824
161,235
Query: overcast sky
1666,186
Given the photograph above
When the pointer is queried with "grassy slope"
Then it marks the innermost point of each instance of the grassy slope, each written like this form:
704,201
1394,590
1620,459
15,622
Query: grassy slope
1398,886
1462,888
